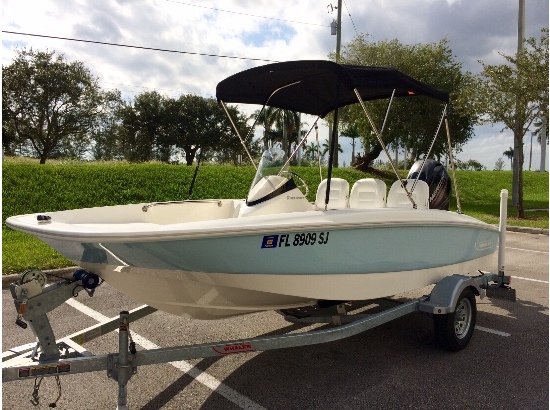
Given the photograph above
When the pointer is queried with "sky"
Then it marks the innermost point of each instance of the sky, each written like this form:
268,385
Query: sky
210,41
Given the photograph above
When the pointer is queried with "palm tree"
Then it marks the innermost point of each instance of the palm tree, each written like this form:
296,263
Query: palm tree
310,151
266,118
351,131
510,154
287,125
326,148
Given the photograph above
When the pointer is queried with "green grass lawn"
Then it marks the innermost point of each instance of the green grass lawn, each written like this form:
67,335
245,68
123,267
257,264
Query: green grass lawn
479,192
28,187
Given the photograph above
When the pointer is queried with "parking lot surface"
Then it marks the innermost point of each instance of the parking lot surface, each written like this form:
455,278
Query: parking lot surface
394,366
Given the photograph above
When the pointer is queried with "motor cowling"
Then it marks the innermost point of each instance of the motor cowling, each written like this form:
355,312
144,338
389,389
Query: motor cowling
437,178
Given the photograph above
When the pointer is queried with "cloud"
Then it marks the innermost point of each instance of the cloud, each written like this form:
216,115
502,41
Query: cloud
251,29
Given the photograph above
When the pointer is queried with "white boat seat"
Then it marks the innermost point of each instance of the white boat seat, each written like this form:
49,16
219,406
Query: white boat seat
368,193
338,197
397,197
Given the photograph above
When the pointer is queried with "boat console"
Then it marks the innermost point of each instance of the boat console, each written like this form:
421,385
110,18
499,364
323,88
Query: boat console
274,189
275,194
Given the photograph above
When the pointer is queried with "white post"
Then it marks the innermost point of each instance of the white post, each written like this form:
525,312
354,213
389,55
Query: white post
502,229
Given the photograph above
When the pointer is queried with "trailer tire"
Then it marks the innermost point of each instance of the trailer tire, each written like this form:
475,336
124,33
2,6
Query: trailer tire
453,331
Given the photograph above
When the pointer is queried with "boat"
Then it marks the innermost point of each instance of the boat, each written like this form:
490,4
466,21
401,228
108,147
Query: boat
274,249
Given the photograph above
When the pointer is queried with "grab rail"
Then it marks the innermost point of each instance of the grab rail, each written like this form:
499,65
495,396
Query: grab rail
144,208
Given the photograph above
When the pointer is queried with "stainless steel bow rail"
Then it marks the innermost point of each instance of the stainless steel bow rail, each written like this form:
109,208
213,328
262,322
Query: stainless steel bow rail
451,303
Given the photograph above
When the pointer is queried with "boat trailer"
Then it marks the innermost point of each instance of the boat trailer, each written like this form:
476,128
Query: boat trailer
451,302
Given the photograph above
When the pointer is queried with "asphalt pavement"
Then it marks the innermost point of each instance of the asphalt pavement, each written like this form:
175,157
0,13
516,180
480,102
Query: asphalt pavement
394,366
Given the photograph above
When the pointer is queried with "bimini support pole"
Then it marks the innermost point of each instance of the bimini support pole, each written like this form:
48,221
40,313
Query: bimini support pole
192,185
379,138
258,116
301,142
443,117
331,155
318,153
238,135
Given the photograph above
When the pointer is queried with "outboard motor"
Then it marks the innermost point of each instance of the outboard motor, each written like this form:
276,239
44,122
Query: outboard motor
435,175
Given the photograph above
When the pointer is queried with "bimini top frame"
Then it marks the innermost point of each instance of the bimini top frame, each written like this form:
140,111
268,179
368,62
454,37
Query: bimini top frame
318,87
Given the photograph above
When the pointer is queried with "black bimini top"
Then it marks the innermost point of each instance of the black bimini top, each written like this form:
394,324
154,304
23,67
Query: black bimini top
318,87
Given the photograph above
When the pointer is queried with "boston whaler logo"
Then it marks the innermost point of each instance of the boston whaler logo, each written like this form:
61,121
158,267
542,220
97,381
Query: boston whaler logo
231,348
482,245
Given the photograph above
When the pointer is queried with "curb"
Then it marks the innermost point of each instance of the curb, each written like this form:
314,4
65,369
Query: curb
67,273
521,229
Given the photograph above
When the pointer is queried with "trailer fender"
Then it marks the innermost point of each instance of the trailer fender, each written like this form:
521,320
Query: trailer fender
445,294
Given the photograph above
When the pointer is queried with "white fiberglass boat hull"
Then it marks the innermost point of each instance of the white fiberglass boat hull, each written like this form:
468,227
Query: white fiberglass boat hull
232,265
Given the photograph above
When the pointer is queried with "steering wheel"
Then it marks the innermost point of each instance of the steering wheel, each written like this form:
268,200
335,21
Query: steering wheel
301,185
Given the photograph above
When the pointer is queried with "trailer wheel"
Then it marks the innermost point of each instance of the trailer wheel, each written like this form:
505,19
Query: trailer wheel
453,331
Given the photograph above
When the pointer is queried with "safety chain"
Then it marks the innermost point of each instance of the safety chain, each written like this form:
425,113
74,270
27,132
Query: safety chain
36,398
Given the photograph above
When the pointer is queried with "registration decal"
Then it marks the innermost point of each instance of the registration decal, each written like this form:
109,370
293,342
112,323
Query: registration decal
297,239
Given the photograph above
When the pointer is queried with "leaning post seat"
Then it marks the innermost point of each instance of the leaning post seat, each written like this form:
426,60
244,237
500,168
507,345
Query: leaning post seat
339,192
368,193
397,197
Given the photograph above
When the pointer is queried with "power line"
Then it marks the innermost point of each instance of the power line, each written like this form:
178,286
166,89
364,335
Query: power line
246,14
349,14
138,47
130,89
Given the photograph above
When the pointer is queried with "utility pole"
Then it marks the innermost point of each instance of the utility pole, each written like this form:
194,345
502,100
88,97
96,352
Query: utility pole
518,143
338,44
543,144
339,31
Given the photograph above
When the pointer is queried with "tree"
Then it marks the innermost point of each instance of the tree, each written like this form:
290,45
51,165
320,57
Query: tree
142,128
414,120
105,144
265,118
510,154
310,151
470,165
47,101
197,123
499,165
516,94
151,109
286,126
326,148
350,130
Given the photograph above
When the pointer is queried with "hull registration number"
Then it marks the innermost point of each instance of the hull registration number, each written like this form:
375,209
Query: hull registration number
297,239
